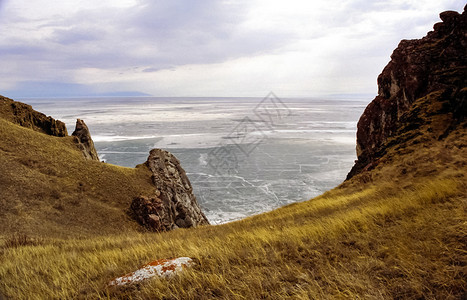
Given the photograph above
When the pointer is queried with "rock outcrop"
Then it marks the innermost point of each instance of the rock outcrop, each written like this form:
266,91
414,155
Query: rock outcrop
437,62
150,212
174,204
24,115
84,141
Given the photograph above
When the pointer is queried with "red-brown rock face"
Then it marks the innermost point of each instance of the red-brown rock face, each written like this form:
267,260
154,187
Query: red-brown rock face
417,68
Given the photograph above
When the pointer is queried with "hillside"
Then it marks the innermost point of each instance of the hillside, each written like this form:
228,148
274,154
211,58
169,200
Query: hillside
49,189
396,229
54,185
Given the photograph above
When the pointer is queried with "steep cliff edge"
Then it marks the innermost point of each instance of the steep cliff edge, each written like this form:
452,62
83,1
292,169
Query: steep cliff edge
23,115
434,67
53,185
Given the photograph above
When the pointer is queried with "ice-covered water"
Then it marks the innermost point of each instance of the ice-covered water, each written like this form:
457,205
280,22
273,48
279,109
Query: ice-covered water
243,155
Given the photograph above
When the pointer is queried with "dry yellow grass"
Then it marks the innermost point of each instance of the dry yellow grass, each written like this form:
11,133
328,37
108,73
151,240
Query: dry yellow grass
374,244
397,232
47,188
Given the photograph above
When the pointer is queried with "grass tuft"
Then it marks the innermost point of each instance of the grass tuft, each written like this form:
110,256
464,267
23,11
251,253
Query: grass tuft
19,240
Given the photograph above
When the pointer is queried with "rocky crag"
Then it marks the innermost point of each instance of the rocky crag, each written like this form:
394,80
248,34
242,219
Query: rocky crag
23,115
168,204
82,138
173,205
434,68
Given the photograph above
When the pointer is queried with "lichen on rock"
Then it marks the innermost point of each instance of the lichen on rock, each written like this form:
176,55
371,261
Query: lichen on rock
160,268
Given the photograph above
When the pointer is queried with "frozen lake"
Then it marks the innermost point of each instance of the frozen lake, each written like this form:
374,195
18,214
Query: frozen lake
243,155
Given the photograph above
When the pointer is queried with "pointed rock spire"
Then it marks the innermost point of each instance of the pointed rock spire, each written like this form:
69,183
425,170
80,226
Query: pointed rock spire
84,141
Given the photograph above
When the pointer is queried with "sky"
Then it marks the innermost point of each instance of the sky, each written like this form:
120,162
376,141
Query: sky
223,48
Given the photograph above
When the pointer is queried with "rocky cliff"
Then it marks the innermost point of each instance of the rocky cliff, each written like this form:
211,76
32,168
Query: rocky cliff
47,177
23,115
173,205
434,66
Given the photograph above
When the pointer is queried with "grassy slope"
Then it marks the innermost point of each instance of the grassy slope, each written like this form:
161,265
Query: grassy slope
49,189
399,231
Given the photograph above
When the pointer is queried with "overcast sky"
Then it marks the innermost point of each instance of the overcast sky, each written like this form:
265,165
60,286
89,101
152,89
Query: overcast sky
296,48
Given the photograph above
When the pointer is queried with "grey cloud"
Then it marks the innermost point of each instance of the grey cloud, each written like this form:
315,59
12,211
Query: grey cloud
164,34
162,19
171,33
150,70
194,32
77,35
153,36
23,50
